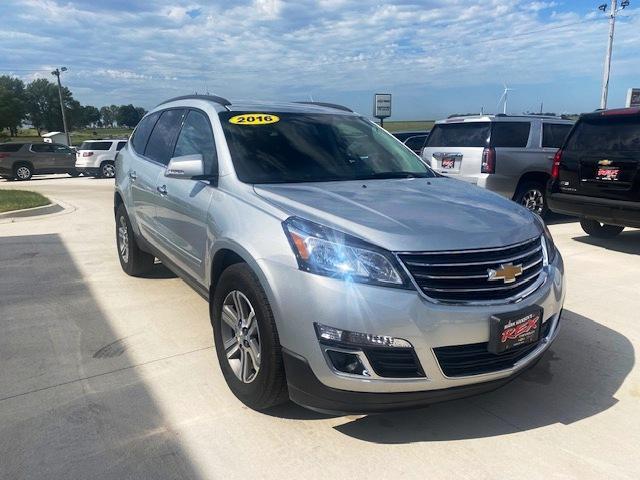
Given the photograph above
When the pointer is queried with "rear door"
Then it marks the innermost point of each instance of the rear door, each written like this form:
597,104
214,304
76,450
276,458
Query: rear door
183,209
517,147
602,157
455,148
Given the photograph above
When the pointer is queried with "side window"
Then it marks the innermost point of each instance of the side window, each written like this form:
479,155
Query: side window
510,134
553,134
415,143
42,147
57,148
120,145
143,130
163,137
196,137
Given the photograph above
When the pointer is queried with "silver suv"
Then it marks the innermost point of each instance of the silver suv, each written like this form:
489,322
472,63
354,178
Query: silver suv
510,155
341,271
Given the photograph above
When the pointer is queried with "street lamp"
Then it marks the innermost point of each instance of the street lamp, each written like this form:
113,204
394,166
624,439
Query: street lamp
57,72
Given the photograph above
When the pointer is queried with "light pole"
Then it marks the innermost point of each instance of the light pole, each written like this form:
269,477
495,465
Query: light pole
613,11
57,72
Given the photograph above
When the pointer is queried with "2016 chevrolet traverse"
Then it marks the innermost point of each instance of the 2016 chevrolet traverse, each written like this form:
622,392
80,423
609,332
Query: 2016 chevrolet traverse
341,271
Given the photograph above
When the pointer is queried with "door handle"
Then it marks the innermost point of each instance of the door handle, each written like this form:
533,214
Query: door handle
162,189
132,175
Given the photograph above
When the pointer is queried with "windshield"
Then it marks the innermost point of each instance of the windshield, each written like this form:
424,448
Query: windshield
301,147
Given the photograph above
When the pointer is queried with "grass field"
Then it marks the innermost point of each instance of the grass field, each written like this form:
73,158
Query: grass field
19,199
398,126
77,136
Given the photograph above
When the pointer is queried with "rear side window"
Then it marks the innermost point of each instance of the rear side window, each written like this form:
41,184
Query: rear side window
163,137
415,143
120,145
10,147
196,137
42,148
510,134
553,134
470,134
606,134
143,130
95,146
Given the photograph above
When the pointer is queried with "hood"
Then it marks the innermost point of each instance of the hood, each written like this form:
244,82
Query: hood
416,214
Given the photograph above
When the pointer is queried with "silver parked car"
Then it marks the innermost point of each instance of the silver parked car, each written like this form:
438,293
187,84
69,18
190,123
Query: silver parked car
341,271
510,155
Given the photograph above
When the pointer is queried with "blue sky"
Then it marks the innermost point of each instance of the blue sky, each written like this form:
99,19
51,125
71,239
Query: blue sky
435,56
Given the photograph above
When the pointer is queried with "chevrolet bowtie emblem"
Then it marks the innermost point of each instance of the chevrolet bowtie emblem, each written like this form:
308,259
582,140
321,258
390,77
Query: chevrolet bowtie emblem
507,272
605,162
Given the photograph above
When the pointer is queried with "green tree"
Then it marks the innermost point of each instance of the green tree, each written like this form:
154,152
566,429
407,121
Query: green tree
107,114
90,115
12,103
128,115
43,105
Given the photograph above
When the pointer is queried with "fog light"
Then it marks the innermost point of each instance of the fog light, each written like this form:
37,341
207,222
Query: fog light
336,335
347,363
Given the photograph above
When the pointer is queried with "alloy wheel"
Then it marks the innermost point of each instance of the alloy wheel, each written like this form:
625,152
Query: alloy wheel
123,239
241,336
533,200
108,170
23,173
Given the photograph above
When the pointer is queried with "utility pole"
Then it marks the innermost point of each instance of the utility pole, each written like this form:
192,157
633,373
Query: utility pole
57,72
613,11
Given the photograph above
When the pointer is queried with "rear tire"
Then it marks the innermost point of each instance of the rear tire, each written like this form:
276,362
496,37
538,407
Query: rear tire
133,261
107,170
247,332
533,196
23,171
599,230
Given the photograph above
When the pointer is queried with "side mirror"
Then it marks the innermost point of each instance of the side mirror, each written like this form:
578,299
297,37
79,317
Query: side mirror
185,166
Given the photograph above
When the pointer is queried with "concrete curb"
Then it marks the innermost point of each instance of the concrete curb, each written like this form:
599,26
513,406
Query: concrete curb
54,208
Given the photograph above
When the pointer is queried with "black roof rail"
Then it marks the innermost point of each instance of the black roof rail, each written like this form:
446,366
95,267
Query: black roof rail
328,105
212,98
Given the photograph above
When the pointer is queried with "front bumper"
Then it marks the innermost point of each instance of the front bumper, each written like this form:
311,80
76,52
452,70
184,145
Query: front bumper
402,314
614,212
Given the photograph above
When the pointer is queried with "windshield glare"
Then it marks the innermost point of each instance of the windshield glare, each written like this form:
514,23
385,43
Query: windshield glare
301,147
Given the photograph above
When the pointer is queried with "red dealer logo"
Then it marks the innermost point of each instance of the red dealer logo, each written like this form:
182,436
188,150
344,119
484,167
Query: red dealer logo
514,332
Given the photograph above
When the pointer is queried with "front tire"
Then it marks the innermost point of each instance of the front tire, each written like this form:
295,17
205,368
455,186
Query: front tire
74,174
599,230
133,261
532,196
246,339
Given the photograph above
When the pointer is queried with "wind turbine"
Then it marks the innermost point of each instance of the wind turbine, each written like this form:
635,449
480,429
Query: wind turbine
505,93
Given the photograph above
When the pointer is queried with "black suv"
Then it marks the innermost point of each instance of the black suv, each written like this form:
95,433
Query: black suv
596,173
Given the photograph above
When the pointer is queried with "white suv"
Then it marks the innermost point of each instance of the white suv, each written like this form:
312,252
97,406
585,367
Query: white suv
97,157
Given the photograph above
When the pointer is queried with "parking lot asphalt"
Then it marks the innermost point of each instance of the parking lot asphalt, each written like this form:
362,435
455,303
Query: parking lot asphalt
105,376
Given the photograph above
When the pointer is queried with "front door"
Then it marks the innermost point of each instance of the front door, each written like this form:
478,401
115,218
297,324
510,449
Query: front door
182,213
64,159
42,157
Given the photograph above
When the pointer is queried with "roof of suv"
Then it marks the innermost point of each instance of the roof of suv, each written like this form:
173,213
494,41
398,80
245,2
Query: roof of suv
503,118
613,112
262,106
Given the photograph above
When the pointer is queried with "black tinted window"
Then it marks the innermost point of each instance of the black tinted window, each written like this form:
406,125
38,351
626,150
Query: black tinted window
301,147
606,134
162,139
10,147
120,145
415,143
196,137
510,134
95,146
58,148
553,134
470,134
143,130
42,147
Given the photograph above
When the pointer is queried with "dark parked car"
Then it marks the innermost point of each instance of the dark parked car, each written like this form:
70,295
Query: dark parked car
414,140
596,173
21,161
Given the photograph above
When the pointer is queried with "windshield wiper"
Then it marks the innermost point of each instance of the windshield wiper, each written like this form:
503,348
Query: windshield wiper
382,175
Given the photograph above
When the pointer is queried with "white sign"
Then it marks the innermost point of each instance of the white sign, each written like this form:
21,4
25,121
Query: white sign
382,105
633,97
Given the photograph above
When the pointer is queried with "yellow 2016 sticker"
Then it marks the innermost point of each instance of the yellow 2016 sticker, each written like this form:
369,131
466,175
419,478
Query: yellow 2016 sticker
254,119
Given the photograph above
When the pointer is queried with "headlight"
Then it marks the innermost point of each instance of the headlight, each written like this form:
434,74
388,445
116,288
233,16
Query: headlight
331,253
549,247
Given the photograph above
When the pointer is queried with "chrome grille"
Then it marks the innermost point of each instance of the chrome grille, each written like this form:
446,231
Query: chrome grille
463,276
